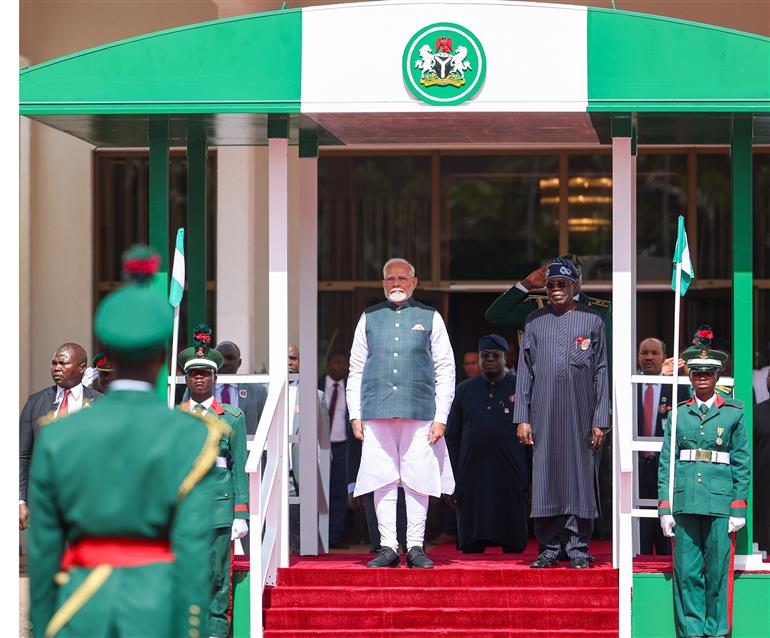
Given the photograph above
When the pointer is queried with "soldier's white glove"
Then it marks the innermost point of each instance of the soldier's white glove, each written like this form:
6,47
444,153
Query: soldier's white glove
667,524
734,524
240,529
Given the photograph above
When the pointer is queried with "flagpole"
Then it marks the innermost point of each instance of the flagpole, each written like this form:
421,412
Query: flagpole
175,294
172,364
675,387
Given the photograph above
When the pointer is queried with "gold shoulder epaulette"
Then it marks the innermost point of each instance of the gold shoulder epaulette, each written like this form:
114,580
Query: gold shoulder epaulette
217,428
540,300
602,303
46,419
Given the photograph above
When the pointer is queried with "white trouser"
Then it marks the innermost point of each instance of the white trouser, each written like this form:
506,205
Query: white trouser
385,499
398,450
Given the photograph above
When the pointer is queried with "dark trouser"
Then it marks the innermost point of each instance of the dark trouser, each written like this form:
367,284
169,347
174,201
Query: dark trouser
548,529
702,550
221,555
650,534
371,519
338,492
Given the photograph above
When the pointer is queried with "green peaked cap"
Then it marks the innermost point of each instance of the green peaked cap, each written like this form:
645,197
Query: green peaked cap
135,321
201,355
700,355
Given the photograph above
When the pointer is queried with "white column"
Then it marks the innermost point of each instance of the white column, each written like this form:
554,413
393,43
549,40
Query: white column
308,347
623,340
278,206
237,243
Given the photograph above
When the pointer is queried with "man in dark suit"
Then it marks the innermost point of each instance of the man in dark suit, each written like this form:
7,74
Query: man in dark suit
761,453
66,396
653,403
332,385
248,397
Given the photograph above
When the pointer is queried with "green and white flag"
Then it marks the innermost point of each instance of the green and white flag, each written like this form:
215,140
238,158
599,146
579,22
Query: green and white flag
682,256
177,273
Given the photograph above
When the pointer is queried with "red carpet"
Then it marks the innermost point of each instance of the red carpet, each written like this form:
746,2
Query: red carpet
490,595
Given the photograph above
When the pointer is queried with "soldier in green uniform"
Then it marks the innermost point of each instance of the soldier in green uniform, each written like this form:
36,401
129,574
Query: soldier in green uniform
231,500
120,494
711,484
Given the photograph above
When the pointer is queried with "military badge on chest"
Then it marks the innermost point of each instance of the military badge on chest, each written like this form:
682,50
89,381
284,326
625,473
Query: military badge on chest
664,408
720,432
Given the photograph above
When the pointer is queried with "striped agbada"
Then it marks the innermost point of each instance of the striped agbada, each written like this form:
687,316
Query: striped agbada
562,392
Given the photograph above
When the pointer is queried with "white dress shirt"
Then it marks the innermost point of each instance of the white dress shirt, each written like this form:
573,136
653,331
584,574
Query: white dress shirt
443,366
338,431
206,404
74,401
708,403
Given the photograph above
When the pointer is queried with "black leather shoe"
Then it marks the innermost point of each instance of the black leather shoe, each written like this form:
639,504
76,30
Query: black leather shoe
591,558
580,562
386,557
544,560
416,557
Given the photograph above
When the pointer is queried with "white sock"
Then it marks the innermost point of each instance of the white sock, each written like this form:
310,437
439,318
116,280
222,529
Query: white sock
385,499
416,513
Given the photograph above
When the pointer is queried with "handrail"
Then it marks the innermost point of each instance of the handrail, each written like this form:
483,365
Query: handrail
268,504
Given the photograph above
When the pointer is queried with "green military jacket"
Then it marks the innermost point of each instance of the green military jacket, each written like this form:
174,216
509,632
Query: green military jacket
702,487
514,306
231,498
126,468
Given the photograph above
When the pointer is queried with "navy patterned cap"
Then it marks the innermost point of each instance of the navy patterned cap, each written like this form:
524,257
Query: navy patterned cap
562,268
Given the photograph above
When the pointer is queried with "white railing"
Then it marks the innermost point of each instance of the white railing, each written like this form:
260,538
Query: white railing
268,501
268,469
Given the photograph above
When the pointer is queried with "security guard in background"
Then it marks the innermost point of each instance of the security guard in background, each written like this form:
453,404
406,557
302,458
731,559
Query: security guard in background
120,493
711,484
231,510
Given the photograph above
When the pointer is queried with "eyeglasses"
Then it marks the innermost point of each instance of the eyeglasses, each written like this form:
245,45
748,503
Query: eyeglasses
491,354
401,279
557,284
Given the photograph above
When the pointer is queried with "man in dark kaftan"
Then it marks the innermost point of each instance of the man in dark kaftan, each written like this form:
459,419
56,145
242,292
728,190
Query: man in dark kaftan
562,411
491,468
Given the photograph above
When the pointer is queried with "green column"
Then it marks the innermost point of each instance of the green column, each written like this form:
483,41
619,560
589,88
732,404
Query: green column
158,134
197,153
743,286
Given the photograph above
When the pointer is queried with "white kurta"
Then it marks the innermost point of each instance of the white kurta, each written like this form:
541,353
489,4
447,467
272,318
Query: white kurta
398,449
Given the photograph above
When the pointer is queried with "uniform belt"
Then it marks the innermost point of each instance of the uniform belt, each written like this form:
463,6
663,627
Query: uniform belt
709,456
117,551
221,462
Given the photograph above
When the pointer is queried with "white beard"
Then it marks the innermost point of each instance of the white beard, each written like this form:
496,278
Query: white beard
397,296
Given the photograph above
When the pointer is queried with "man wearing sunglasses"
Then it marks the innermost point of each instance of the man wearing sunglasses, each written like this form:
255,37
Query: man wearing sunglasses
562,410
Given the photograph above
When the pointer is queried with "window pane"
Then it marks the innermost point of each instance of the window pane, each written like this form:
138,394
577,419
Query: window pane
713,260
661,196
500,215
762,216
372,209
590,213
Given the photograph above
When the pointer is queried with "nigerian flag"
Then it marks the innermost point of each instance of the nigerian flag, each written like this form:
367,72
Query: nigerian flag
177,272
682,256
